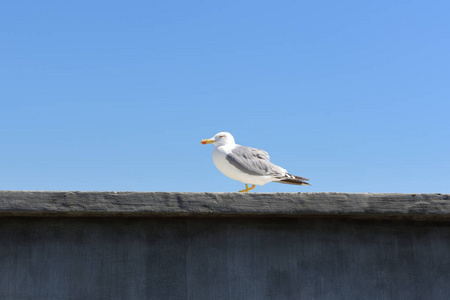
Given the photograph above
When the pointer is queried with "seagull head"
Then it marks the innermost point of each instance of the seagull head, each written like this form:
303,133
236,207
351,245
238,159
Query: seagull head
220,139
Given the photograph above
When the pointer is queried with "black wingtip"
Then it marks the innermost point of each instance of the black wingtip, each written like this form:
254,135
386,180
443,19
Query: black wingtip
298,177
293,181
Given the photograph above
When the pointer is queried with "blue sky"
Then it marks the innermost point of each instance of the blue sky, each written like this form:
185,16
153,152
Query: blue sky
117,95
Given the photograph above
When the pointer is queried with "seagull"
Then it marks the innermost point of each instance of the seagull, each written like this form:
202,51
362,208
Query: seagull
247,165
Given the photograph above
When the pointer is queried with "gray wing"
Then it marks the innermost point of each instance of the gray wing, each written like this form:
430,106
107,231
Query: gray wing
254,162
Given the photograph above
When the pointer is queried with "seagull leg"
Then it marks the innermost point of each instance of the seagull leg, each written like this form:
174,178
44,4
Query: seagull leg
247,188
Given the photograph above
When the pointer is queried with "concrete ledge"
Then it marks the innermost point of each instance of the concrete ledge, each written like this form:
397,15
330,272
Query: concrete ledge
172,204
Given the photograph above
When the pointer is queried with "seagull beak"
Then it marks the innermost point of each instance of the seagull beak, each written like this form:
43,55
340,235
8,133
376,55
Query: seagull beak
207,141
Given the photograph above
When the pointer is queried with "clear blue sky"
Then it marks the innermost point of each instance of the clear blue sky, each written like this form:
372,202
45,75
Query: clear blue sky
117,95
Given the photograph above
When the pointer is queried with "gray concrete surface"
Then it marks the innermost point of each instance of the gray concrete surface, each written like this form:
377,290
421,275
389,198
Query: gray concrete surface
422,206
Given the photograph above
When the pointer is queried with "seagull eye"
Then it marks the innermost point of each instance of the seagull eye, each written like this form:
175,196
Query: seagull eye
221,136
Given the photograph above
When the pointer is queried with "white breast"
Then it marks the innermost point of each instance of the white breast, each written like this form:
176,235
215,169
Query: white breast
221,162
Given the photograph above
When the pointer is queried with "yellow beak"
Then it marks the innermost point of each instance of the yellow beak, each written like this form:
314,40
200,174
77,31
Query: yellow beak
207,141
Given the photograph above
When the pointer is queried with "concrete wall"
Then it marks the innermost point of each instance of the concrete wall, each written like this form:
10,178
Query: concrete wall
102,250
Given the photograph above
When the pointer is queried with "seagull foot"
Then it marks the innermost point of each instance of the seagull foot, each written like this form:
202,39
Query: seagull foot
247,188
